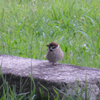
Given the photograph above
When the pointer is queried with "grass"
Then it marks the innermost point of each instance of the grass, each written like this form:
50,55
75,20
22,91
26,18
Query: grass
10,92
27,26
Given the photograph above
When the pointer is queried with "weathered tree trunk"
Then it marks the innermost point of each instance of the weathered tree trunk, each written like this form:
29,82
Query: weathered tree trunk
18,69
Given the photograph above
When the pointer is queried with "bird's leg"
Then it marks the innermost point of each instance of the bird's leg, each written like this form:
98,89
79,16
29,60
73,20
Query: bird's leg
54,64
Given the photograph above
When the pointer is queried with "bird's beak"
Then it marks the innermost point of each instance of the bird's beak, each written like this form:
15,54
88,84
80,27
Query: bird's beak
47,45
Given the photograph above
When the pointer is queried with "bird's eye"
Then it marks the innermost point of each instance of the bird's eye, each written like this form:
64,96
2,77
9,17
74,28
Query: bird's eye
53,47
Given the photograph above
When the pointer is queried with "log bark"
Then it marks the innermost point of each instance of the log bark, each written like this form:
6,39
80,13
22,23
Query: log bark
60,77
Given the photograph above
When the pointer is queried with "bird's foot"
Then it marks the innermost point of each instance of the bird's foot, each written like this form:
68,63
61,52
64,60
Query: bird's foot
54,64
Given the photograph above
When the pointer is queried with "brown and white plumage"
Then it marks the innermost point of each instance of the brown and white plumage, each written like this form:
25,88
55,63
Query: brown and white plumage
54,53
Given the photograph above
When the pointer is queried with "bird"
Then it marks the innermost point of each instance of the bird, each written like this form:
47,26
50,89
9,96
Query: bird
54,53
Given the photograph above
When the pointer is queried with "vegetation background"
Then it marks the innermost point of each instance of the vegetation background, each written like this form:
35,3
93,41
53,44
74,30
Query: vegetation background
27,26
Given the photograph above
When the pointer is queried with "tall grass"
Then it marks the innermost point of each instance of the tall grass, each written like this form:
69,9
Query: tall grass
11,92
26,26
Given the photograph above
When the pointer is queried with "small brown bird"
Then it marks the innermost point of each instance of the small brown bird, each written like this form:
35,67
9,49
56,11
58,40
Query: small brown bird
54,53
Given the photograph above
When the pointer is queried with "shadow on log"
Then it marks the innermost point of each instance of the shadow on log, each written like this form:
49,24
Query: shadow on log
17,71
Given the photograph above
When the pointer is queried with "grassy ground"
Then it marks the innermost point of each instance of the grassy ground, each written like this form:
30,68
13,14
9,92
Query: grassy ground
26,26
